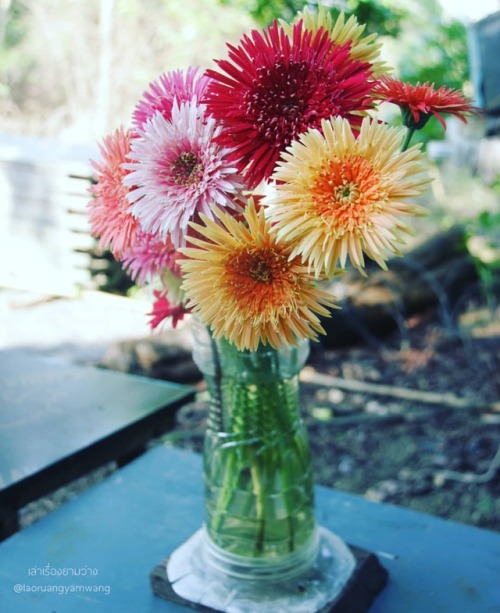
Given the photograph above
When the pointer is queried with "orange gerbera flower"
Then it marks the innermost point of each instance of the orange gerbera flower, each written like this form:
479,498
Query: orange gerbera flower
262,294
419,102
340,195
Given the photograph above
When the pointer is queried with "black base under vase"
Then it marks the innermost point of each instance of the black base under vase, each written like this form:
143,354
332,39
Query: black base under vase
363,580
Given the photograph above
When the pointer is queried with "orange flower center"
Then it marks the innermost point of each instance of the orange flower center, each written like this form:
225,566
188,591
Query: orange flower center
260,280
347,192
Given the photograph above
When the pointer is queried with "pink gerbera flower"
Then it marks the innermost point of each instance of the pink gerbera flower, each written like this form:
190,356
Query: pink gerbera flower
109,215
176,85
179,171
275,87
150,256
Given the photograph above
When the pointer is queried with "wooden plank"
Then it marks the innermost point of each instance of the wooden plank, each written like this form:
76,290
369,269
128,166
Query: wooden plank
77,222
46,155
44,221
78,260
21,177
47,206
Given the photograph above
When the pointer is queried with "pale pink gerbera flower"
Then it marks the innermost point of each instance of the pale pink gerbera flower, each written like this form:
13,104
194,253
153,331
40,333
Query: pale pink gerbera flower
149,256
179,171
176,85
109,215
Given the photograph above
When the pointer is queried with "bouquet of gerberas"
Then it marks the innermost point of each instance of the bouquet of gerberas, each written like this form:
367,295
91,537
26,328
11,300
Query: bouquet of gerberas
235,190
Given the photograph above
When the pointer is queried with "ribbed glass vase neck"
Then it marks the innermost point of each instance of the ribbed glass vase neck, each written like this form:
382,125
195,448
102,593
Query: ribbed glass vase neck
220,358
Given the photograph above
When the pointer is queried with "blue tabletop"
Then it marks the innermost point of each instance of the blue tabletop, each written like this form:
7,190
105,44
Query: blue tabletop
95,553
50,410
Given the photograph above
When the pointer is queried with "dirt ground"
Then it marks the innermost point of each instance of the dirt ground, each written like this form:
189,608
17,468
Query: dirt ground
423,434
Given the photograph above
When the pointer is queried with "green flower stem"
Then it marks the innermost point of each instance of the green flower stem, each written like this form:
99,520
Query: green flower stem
285,480
266,405
408,136
231,476
284,400
257,462
260,507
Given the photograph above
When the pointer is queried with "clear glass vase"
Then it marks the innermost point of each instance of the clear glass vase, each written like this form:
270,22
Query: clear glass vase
260,549
259,495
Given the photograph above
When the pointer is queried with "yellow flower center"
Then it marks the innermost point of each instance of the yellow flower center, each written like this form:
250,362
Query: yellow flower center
187,169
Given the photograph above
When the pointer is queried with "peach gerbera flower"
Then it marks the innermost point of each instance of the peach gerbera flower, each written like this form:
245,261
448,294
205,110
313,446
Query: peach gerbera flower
262,294
340,194
109,215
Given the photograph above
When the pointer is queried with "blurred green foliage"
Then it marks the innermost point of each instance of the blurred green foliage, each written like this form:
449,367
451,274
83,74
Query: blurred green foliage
483,243
12,25
265,11
13,29
381,18
377,16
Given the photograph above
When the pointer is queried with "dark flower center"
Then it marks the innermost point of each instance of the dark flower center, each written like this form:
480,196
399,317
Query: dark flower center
187,169
286,101
261,272
261,265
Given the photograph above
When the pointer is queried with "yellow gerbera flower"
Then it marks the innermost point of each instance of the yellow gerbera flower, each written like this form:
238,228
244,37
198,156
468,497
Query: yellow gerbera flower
342,31
339,194
242,282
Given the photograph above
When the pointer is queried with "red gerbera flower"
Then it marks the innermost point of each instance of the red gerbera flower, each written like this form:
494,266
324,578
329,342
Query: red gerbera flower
275,87
419,102
163,308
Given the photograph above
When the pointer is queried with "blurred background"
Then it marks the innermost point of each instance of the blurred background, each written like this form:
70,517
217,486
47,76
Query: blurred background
72,71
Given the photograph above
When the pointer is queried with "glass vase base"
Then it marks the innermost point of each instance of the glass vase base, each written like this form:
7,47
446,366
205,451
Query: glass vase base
196,580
